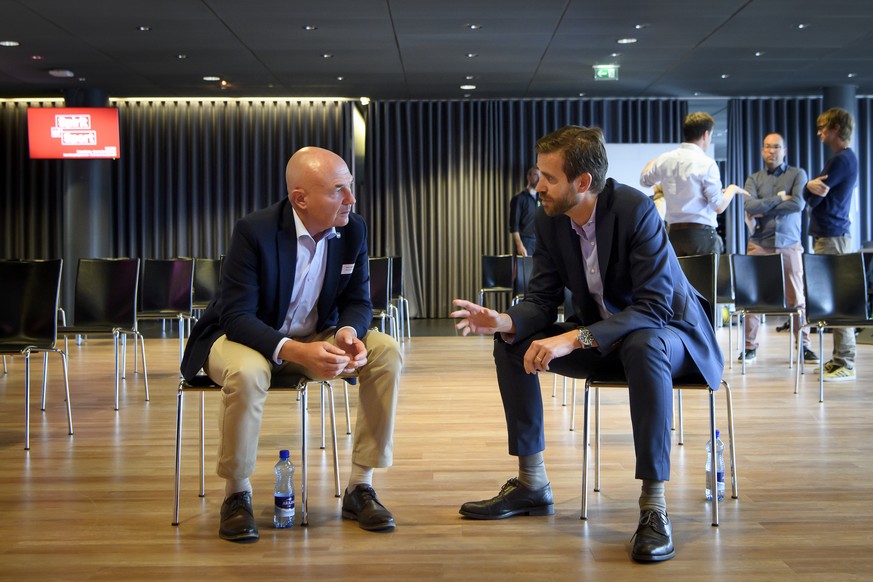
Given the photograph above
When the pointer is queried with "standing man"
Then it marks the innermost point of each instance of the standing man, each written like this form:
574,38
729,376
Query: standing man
295,299
774,208
634,313
829,197
522,209
692,189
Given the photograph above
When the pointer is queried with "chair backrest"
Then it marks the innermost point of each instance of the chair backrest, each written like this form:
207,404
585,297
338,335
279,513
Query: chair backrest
523,268
497,271
725,284
380,282
29,292
167,284
702,272
759,282
207,276
835,286
396,276
106,292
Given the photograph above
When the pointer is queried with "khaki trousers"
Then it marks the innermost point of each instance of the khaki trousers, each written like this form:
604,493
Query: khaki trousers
245,376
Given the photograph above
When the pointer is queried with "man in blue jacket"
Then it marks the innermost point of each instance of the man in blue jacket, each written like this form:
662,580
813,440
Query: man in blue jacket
634,312
829,197
294,299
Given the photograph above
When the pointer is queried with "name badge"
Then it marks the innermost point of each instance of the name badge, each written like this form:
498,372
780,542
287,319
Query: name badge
347,269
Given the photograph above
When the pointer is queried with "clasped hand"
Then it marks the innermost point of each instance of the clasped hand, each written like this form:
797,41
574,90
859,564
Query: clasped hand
329,360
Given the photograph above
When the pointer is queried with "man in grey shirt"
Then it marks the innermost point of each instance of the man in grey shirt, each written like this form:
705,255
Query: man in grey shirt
773,212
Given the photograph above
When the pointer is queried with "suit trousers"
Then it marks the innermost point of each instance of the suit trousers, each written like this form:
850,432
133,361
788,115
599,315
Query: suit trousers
245,375
648,358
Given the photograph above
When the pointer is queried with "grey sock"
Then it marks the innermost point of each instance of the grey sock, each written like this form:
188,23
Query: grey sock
532,471
232,486
652,496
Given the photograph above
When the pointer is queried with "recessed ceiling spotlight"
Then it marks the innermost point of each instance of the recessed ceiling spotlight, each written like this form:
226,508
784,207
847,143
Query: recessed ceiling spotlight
340,78
581,94
181,56
81,79
9,43
309,27
223,83
470,77
211,78
472,55
468,87
626,40
697,93
36,58
615,55
61,73
759,53
327,56
365,100
852,75
473,26
144,28
725,76
642,26
802,25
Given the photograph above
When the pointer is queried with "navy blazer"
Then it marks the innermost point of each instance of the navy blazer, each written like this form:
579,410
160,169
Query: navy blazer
257,278
643,283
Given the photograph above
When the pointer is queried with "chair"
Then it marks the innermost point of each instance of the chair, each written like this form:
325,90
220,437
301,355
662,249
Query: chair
166,293
207,274
497,276
759,288
380,294
28,320
105,299
523,270
836,296
397,298
725,292
299,384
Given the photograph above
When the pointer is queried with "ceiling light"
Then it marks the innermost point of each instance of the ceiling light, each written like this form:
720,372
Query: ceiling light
36,58
340,78
725,76
472,55
9,43
760,53
468,87
473,26
144,28
642,26
466,95
802,26
223,83
581,94
61,73
81,79
327,56
470,77
309,28
626,40
615,55
211,78
181,56
365,100
852,75
697,93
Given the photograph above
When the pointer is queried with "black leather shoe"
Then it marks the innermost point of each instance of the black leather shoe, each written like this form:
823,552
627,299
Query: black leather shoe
237,519
363,506
653,541
513,499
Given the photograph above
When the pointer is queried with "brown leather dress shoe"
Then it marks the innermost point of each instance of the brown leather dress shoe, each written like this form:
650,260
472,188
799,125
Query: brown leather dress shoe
653,541
363,506
237,519
513,499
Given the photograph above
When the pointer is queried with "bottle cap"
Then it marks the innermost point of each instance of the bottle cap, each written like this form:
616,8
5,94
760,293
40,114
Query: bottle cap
284,454
717,433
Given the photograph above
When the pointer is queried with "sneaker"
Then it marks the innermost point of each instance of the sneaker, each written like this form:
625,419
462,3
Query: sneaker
829,366
750,356
840,374
809,356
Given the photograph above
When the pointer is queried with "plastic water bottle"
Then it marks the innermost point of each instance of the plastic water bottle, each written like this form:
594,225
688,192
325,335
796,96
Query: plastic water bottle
283,496
719,468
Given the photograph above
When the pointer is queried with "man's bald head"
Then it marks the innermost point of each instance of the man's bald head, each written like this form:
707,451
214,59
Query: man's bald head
320,188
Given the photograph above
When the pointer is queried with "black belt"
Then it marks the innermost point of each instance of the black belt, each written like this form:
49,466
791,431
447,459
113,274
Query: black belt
689,226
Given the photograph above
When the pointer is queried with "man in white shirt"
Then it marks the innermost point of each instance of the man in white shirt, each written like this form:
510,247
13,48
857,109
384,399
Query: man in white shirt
692,189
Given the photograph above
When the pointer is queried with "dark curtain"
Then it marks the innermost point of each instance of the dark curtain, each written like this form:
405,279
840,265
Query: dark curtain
750,119
31,203
440,175
190,169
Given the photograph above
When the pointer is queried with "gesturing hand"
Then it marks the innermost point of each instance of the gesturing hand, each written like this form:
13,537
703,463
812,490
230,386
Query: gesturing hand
478,319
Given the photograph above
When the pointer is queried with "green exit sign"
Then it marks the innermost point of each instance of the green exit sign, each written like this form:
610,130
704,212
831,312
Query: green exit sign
606,72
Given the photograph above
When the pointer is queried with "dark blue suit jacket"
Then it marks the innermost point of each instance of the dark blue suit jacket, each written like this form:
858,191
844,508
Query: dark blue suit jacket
643,283
257,278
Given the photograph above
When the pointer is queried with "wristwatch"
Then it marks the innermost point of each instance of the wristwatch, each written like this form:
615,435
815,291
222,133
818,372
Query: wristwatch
584,337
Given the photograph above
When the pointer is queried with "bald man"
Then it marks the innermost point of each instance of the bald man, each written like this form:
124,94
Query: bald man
295,299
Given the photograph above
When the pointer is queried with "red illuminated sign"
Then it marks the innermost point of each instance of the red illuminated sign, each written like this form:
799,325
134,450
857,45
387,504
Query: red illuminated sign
73,132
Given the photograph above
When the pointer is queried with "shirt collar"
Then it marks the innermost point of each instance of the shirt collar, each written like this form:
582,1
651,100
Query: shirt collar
778,170
302,232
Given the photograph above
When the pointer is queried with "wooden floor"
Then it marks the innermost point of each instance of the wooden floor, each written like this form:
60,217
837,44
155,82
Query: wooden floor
98,505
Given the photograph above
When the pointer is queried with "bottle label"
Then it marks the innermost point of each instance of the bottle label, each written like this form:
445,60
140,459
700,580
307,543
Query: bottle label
719,476
284,503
